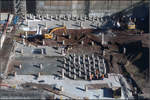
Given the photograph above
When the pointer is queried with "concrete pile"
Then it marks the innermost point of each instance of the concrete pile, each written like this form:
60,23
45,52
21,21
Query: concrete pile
83,67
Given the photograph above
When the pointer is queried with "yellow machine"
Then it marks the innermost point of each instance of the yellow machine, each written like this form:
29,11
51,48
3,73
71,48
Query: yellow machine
51,36
131,25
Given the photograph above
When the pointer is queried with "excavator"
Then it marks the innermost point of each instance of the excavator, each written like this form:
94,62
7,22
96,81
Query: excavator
50,35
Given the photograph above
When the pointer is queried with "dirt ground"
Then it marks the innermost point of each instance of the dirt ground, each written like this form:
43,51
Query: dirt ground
76,37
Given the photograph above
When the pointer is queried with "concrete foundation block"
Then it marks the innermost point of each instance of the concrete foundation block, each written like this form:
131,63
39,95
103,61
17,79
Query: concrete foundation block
20,66
39,74
63,71
86,88
41,66
15,74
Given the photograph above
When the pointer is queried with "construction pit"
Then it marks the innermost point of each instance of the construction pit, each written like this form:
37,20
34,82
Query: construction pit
79,64
78,50
35,64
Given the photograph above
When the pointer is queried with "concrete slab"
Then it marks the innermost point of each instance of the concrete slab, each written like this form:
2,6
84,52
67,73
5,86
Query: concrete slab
28,51
72,88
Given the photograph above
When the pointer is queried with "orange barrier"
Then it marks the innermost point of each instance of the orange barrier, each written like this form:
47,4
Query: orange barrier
4,85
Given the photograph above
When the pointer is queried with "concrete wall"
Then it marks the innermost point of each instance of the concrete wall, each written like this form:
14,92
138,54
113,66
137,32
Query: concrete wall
134,8
6,6
82,7
19,7
2,39
3,16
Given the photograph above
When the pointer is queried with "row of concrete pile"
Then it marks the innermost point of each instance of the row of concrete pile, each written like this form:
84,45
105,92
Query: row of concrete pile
83,67
64,17
78,21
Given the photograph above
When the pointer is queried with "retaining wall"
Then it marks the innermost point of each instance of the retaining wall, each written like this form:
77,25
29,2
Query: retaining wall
82,7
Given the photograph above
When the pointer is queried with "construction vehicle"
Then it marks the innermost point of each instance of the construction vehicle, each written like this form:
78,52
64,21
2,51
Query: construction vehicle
50,35
131,25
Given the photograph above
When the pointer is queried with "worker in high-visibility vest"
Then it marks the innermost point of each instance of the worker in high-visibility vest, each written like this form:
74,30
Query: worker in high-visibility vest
61,98
102,76
91,76
97,73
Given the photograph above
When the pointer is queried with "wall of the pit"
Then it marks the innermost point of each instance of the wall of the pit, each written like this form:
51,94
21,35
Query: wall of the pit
135,8
6,6
81,7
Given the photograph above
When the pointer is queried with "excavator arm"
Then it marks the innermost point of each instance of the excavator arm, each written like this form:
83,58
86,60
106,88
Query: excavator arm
50,35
